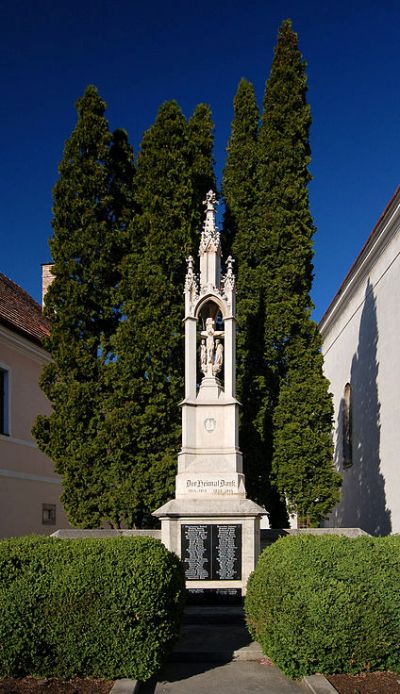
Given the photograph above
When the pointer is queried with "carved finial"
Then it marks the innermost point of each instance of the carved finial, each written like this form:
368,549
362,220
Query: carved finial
229,279
190,279
190,264
229,266
210,234
210,201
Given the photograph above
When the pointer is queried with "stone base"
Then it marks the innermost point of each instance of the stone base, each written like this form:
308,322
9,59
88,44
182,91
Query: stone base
200,513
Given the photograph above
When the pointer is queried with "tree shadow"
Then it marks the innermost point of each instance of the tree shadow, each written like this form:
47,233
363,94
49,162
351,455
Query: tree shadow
363,501
209,639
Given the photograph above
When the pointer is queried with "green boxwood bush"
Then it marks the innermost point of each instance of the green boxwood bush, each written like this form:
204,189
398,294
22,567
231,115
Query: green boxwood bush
92,607
327,604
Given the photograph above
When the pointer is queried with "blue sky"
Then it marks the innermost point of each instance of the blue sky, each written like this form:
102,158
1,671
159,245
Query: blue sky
140,54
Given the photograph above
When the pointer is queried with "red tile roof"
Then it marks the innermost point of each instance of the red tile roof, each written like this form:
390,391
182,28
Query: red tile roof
20,313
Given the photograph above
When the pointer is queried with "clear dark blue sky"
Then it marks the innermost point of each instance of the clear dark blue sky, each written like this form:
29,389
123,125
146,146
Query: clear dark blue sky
140,54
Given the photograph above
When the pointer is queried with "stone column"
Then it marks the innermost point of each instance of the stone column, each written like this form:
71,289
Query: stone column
229,356
190,358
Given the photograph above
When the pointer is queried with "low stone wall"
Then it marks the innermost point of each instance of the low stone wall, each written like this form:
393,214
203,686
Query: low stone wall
271,535
267,536
76,534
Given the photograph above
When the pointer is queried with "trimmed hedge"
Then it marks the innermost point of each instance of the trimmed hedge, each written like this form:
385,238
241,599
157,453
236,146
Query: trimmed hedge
327,604
107,608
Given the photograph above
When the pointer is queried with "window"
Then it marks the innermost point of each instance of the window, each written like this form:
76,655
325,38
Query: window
347,427
48,514
4,402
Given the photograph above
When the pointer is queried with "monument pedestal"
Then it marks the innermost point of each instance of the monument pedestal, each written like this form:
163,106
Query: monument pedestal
218,541
210,524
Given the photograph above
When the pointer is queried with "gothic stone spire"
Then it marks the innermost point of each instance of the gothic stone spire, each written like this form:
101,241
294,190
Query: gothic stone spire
210,247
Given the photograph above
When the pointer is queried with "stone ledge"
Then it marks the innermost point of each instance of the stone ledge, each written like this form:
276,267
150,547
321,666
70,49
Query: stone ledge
77,533
318,684
213,505
272,534
125,686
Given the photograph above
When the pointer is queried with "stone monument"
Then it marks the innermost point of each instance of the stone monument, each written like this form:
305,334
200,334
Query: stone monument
211,524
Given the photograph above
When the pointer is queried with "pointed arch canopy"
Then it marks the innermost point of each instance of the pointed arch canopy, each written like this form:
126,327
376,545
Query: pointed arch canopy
210,297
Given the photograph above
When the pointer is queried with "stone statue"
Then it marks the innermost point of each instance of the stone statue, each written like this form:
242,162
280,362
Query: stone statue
208,355
218,361
203,357
210,340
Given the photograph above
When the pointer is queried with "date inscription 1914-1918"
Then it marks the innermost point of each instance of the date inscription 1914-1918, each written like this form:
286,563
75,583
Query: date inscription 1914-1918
212,552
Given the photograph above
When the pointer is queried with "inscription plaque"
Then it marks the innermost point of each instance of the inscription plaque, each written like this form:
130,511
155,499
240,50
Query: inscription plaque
196,551
212,552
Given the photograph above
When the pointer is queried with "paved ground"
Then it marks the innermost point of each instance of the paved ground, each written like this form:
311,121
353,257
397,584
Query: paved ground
239,677
216,655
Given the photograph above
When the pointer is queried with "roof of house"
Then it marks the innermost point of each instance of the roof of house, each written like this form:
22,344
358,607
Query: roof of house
20,313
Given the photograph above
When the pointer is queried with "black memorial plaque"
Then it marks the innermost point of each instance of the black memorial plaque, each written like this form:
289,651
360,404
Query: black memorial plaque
196,551
212,552
226,557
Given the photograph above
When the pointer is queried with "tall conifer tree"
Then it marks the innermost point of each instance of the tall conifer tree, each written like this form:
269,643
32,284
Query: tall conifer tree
302,465
280,380
92,199
174,172
241,192
240,187
200,140
303,448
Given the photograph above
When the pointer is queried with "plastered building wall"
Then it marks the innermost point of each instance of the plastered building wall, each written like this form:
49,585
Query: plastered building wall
361,332
29,488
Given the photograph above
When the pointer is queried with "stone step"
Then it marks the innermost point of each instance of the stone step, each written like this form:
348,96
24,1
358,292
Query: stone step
214,614
215,643
215,633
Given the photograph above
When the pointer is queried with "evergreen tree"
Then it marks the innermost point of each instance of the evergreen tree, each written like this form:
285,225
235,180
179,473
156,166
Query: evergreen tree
303,443
200,140
241,192
92,199
174,171
268,219
290,341
240,186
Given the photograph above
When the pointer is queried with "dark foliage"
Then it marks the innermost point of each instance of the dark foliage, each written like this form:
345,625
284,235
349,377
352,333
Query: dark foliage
327,604
92,207
281,384
106,608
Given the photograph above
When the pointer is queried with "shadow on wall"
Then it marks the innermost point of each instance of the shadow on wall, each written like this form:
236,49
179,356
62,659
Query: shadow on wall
363,502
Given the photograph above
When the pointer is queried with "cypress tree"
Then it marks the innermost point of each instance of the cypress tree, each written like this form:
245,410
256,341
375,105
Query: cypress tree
91,203
200,140
298,389
240,186
284,213
241,193
174,170
303,453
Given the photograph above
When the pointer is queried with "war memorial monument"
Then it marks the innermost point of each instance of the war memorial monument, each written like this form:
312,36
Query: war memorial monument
210,523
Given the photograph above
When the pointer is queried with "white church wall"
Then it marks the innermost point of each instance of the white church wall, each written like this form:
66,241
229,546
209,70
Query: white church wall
360,334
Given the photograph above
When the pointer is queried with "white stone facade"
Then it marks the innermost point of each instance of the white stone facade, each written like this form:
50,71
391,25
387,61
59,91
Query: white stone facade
361,331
